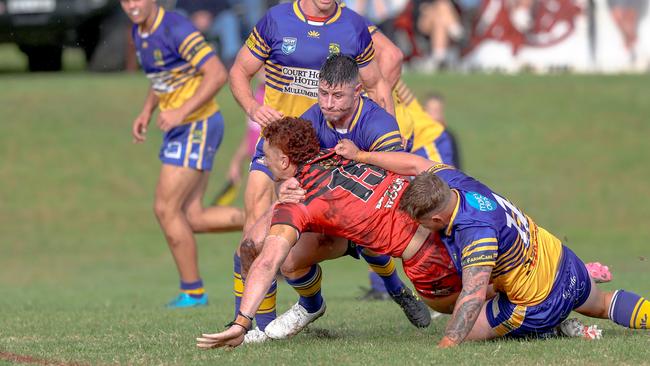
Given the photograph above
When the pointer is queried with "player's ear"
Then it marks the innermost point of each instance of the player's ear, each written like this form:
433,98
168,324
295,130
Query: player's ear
285,161
357,89
438,221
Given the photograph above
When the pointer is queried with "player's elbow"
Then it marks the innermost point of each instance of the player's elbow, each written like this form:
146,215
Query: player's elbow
420,164
394,58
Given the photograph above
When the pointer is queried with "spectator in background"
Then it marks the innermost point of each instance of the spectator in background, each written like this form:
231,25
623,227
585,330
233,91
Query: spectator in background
446,144
216,20
382,13
439,21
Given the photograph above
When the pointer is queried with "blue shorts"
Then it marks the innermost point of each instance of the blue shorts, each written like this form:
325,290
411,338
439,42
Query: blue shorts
442,146
570,290
193,145
257,162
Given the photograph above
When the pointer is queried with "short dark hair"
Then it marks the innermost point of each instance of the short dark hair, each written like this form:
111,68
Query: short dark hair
339,69
295,137
426,194
435,96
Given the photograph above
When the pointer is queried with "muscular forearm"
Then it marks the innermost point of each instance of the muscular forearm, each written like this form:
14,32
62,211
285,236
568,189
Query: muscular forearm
262,272
150,102
389,57
468,306
214,78
398,162
381,93
240,85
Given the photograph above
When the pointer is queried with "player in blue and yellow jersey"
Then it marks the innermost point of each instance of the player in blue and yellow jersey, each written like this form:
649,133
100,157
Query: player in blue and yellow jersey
538,281
185,76
424,134
415,126
431,140
341,113
292,41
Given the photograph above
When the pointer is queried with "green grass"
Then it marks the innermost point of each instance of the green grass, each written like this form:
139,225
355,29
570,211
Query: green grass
84,269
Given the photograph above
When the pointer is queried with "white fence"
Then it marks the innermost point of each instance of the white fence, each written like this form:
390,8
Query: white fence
576,35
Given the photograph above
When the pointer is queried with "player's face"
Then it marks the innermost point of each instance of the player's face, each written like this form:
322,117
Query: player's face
276,161
435,109
138,10
323,6
338,102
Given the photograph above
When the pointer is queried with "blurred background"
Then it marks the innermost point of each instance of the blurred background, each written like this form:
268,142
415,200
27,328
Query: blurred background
85,269
508,36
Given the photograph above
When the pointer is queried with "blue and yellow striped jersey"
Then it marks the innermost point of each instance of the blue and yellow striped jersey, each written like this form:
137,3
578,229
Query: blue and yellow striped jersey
488,230
171,54
293,48
371,129
425,129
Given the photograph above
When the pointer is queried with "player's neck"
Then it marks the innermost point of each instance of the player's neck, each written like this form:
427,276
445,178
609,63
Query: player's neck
147,25
314,13
448,212
345,122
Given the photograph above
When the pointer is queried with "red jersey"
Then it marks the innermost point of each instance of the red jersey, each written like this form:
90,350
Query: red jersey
352,200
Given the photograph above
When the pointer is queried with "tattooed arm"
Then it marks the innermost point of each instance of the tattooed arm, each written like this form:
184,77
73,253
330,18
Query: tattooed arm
468,306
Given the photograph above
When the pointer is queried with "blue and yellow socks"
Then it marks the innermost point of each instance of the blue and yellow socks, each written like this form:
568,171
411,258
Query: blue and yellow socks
266,312
308,287
194,289
384,268
629,310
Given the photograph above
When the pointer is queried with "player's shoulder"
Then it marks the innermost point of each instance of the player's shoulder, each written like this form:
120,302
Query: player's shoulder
175,19
177,25
371,108
353,17
312,111
279,12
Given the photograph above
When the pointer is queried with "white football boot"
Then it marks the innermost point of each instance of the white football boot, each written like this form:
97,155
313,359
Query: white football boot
292,322
255,336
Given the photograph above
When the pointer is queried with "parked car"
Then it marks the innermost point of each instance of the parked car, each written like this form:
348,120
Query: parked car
41,28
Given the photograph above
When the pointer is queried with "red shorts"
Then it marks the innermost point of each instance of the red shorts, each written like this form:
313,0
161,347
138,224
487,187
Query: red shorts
431,270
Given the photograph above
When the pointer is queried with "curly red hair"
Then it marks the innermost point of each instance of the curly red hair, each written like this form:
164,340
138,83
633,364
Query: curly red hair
295,137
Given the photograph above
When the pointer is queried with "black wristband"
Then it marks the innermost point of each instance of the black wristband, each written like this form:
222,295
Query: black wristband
235,323
245,316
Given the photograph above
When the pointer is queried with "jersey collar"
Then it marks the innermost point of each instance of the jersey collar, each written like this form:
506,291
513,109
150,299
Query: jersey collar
303,17
453,215
159,17
357,115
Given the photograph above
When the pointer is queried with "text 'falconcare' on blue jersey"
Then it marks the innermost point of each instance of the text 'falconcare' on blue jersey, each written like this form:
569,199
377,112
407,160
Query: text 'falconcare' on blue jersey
488,230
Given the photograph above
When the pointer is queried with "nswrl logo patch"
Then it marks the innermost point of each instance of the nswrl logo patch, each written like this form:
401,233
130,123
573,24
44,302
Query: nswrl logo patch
289,45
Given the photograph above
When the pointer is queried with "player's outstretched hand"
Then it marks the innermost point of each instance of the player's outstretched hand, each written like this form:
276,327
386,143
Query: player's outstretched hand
170,118
139,128
264,115
231,337
291,192
347,149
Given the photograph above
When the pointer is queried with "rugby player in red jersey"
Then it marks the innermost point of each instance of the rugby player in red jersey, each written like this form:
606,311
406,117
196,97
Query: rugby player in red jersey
344,199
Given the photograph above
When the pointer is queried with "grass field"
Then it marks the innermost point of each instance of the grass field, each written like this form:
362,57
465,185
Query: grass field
84,270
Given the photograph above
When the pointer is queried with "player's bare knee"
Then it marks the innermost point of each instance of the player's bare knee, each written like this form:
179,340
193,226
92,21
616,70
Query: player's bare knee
161,210
196,222
292,270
